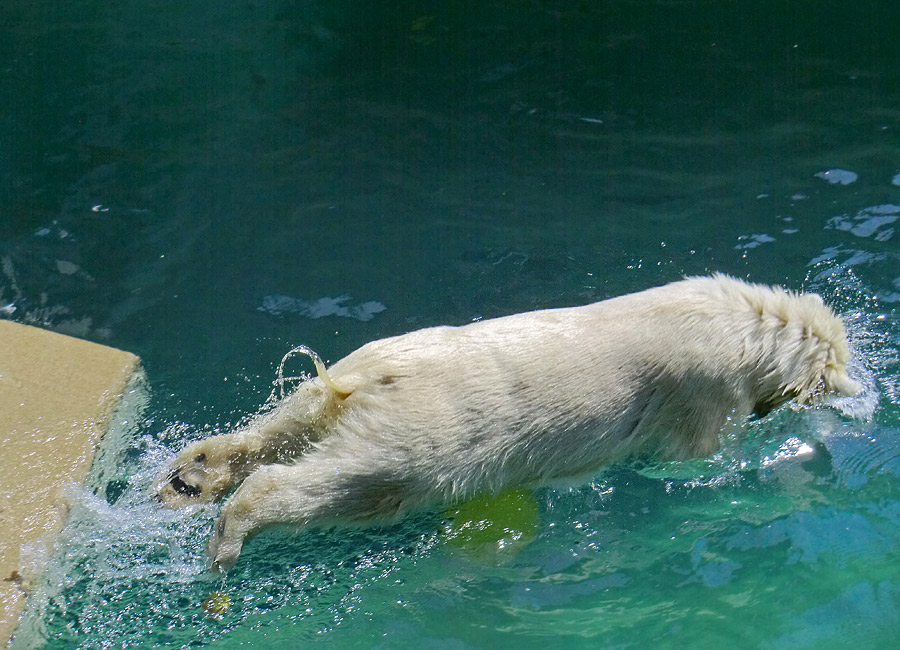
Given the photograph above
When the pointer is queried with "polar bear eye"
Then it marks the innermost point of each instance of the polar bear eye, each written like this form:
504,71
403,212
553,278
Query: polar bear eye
199,458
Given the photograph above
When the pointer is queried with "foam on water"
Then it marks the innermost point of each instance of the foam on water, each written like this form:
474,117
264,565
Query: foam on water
837,176
277,305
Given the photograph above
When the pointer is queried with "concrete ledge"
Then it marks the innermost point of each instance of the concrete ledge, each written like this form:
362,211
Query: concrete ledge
57,399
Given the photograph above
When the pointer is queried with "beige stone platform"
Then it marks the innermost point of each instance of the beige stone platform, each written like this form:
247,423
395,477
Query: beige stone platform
58,396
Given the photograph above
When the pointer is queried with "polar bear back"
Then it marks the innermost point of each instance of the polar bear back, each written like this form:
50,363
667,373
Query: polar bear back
544,394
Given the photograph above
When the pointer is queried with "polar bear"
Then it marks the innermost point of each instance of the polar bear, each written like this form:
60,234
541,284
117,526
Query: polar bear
444,413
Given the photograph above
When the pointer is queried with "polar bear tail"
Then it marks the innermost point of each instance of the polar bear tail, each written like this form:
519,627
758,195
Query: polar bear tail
321,371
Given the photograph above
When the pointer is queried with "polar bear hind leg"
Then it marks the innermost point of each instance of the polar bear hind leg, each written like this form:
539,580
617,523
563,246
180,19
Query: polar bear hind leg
209,469
323,489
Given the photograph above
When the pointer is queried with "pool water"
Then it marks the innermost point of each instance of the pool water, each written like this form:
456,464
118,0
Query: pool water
209,186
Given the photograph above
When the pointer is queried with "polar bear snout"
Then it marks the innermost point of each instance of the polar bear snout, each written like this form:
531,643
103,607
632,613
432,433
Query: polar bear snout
838,381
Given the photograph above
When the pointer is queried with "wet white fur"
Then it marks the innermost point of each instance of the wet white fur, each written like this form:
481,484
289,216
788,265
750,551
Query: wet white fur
444,413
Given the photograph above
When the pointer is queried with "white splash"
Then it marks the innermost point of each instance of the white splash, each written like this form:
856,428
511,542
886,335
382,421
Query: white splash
791,448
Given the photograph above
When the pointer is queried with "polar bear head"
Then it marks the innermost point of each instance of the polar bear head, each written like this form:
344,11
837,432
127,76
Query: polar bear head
802,347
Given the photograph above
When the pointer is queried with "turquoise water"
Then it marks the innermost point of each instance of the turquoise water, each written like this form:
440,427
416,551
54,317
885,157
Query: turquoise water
208,186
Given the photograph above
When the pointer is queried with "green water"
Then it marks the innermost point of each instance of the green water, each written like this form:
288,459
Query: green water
209,185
